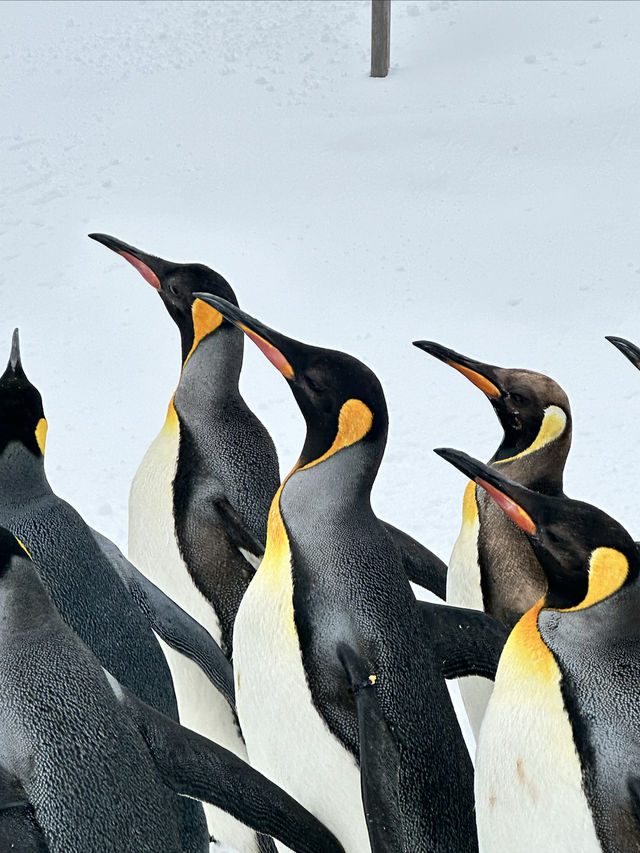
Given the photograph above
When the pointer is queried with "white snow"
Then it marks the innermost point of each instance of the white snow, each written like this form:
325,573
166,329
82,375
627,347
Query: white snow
484,195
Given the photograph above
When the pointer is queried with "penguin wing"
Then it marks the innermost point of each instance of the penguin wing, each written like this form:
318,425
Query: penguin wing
379,757
421,565
238,531
19,829
170,622
633,784
193,766
465,642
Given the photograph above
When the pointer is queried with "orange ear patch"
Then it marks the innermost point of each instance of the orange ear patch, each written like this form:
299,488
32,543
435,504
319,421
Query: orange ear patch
515,512
272,353
206,319
146,272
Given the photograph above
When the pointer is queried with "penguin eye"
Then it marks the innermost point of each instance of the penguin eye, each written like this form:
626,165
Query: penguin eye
173,289
519,400
553,537
314,386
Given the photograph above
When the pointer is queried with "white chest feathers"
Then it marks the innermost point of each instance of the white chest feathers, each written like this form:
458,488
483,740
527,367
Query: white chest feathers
464,590
286,738
153,547
529,793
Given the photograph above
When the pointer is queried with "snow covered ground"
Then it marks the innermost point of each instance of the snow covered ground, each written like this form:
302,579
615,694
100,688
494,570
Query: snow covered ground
484,195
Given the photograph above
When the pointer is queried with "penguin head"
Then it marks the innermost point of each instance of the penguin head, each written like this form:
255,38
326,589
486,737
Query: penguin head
22,416
176,285
533,410
631,351
340,398
585,554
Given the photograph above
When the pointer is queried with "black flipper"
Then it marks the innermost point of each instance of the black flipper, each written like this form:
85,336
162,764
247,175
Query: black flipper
467,642
633,784
19,830
237,530
421,565
379,758
193,766
171,623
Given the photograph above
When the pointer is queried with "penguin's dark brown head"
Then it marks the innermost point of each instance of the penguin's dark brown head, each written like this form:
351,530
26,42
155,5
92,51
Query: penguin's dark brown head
21,413
585,554
341,398
533,410
176,285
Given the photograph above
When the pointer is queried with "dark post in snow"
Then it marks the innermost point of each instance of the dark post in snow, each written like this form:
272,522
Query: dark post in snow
380,37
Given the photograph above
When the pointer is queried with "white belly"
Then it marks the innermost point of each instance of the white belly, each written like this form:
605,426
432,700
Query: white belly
528,784
464,590
287,740
154,550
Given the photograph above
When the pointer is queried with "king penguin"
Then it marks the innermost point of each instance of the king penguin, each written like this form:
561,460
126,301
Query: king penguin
84,585
200,498
331,589
101,768
492,565
557,766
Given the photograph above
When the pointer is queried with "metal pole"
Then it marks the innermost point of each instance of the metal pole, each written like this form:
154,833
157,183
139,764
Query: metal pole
380,37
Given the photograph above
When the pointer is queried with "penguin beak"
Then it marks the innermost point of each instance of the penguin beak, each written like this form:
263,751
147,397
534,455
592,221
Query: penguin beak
271,343
515,500
151,269
483,376
15,362
14,365
631,351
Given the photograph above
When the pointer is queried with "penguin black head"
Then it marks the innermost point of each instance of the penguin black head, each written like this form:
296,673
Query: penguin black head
631,351
21,413
585,554
176,285
530,406
341,399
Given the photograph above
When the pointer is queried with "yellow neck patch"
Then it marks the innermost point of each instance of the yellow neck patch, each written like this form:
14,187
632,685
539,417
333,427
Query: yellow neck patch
608,570
171,421
24,548
205,320
552,426
469,504
41,435
354,422
525,648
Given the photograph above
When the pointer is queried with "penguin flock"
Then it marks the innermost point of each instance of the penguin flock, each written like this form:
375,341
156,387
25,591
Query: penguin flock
258,672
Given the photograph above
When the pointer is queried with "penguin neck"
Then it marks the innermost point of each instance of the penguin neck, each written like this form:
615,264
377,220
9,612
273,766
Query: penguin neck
24,602
210,373
539,462
22,475
338,484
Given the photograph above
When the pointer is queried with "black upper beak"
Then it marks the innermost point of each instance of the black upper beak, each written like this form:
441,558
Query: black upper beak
483,376
15,362
522,505
152,268
631,351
